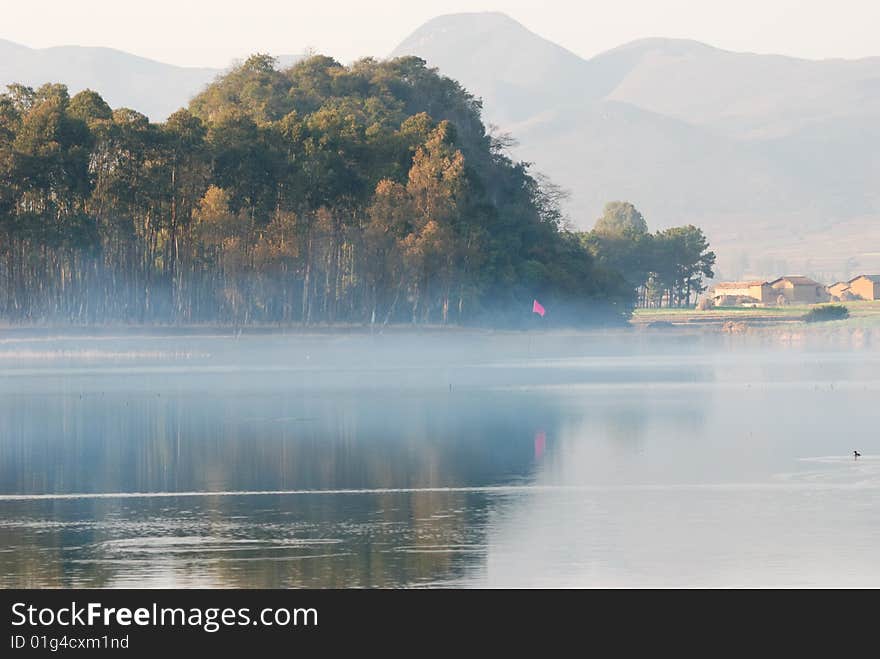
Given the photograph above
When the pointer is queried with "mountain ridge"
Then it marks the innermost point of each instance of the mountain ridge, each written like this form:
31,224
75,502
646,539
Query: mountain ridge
151,87
764,151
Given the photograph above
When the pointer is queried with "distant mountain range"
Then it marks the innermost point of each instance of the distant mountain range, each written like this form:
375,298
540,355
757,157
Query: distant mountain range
776,157
150,87
124,80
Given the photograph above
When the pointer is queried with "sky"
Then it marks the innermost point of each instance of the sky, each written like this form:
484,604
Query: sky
215,32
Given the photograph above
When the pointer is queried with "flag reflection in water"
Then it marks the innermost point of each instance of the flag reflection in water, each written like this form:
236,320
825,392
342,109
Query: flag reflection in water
540,444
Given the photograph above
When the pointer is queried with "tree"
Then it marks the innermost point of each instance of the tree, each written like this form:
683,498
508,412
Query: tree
186,171
390,218
254,87
683,260
669,265
436,183
88,106
224,237
620,218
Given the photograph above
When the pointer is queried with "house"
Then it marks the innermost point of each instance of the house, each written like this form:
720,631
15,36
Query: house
797,289
748,292
867,287
839,289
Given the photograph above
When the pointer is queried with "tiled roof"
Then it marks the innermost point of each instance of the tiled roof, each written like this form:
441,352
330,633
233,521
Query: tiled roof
797,280
739,284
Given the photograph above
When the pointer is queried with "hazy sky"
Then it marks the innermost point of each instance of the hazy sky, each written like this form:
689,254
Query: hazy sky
213,32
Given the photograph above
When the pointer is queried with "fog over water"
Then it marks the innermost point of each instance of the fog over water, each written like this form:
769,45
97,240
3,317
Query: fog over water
619,458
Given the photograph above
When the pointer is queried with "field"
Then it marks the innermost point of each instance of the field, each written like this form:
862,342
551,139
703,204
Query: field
861,314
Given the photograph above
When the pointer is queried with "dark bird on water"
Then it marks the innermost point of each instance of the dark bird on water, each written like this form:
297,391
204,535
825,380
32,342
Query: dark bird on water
856,455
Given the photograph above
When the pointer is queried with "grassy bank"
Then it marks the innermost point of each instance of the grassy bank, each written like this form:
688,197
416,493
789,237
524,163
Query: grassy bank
861,314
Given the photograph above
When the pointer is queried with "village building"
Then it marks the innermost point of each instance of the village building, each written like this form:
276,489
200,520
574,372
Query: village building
797,289
839,290
743,292
866,287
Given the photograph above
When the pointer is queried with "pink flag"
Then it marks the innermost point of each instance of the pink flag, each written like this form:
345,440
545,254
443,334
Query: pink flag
537,308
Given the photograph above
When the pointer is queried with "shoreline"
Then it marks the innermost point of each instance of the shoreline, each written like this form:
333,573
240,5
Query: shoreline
863,316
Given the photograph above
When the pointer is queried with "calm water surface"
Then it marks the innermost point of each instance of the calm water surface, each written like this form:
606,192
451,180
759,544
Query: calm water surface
471,459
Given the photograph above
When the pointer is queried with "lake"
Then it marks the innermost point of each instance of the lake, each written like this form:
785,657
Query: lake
465,459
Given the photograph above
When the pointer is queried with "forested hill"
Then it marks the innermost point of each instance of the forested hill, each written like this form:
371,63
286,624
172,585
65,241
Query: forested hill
319,193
